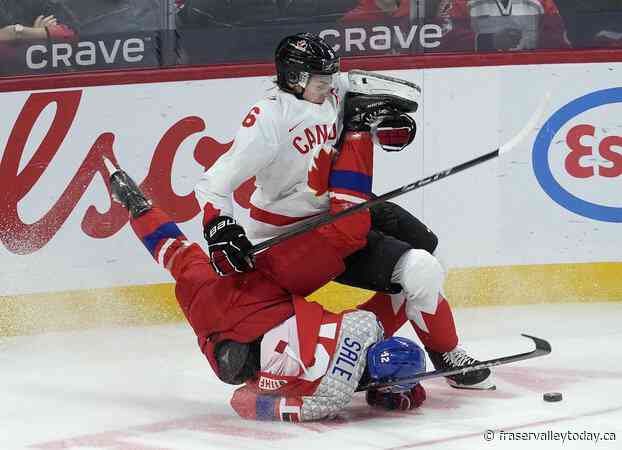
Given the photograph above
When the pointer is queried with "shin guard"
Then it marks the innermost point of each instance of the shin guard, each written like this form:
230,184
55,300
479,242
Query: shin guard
437,331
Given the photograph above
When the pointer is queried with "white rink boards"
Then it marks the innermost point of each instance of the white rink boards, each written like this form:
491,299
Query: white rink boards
553,200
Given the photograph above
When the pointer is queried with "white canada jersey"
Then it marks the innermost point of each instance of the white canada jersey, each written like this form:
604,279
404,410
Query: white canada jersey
276,143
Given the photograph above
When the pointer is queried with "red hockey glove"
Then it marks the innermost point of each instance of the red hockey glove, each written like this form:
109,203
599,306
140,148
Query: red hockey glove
401,401
394,133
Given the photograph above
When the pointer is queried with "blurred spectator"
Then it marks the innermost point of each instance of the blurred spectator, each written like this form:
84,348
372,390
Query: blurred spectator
407,15
501,25
23,22
32,20
377,11
109,30
592,23
423,11
380,12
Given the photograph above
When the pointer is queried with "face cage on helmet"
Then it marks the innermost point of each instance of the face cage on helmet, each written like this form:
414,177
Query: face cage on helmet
298,78
289,76
302,78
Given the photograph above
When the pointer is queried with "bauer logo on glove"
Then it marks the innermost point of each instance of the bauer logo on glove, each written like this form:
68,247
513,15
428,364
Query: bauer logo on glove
228,246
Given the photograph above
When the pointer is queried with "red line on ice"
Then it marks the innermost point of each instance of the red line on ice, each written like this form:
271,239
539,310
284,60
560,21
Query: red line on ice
213,423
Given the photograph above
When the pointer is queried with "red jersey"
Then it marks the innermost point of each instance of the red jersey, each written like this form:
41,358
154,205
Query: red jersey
472,26
310,365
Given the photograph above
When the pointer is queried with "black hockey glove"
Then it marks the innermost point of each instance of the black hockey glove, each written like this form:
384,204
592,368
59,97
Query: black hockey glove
228,246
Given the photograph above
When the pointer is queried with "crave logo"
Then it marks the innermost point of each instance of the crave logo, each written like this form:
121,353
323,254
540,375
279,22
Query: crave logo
577,156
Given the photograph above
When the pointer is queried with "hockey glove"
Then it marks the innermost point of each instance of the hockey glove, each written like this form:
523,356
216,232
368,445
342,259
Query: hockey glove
228,246
395,132
249,404
400,401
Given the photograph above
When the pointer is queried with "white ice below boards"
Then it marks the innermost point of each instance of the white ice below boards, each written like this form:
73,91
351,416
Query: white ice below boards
149,388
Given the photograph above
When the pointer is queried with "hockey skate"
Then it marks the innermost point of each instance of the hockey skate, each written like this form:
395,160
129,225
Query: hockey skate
454,359
125,191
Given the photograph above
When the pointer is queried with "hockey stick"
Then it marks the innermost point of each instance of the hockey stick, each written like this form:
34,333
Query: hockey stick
542,348
328,218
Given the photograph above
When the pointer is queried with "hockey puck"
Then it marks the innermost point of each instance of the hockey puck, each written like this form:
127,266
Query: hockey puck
553,397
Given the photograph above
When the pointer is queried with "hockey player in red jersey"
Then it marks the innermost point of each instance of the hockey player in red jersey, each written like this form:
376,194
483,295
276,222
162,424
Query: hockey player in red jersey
301,363
281,142
311,366
501,25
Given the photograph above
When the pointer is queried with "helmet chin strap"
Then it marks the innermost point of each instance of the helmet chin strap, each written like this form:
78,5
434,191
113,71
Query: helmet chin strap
301,80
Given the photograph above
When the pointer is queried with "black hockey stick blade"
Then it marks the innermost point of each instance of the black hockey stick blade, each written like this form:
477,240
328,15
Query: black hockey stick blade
542,348
329,218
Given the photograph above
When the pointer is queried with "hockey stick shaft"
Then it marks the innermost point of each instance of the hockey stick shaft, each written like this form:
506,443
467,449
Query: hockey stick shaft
542,348
328,218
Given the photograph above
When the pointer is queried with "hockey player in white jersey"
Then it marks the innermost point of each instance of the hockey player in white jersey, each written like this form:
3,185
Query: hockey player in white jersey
287,142
277,142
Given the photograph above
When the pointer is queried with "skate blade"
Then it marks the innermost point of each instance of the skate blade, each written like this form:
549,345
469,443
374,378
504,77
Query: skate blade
112,169
484,385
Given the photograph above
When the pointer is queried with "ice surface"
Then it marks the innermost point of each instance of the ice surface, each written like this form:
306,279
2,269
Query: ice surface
149,388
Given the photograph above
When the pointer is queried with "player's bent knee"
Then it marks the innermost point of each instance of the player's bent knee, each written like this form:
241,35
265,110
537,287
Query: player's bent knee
439,254
421,277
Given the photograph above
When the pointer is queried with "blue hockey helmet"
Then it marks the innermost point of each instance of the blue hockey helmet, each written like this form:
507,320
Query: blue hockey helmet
395,357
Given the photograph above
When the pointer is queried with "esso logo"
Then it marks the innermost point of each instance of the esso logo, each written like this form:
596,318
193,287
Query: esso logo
577,156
